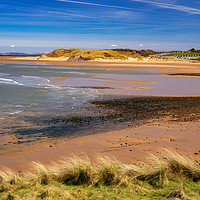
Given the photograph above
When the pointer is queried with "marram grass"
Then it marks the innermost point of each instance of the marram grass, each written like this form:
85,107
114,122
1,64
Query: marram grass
171,176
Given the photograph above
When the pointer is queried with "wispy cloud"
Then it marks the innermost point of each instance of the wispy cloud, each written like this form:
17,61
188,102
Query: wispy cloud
186,9
101,5
44,13
68,14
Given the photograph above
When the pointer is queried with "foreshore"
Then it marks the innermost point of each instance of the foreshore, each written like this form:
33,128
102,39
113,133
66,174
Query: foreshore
130,145
146,133
133,143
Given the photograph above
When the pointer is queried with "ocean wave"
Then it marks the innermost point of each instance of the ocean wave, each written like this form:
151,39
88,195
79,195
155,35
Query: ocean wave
29,81
49,86
35,81
9,81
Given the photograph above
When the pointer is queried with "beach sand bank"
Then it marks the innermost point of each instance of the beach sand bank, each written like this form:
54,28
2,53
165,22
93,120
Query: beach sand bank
141,126
183,66
131,144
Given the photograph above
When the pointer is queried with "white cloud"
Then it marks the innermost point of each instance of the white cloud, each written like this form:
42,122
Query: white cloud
141,45
67,14
186,9
114,45
12,46
97,4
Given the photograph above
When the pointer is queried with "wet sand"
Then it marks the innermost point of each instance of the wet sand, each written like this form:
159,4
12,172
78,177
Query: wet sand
131,144
149,125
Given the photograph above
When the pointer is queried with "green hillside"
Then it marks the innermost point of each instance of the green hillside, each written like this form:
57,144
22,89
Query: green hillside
184,54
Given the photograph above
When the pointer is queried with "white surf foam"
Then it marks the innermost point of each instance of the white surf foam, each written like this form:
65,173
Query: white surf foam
16,112
9,81
79,73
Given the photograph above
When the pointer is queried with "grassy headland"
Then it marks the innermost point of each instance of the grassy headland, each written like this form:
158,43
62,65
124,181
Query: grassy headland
72,55
170,176
86,55
107,55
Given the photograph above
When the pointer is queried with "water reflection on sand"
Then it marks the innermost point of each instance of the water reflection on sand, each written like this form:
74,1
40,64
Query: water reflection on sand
36,90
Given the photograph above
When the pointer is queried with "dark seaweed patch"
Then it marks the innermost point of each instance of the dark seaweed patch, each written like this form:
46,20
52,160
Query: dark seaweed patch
185,74
115,114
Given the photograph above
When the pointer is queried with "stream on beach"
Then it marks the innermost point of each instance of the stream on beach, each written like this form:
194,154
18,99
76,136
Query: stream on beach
40,100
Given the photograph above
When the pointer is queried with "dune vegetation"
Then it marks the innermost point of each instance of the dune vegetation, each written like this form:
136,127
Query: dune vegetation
76,55
86,55
170,176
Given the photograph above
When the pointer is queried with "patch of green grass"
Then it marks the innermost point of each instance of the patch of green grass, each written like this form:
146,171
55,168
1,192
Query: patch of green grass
72,178
184,54
136,191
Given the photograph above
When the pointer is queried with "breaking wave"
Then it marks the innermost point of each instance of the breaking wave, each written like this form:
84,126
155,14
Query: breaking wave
9,81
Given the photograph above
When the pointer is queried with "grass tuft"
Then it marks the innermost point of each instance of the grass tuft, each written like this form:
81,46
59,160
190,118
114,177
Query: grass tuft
111,171
107,178
43,174
182,166
155,171
73,170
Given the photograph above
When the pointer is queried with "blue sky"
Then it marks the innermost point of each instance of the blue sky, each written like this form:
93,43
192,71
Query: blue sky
44,25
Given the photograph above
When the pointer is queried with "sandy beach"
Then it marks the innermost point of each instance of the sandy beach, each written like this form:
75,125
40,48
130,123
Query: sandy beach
183,66
131,144
99,100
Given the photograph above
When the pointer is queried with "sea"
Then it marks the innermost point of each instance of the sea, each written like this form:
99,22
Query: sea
30,91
